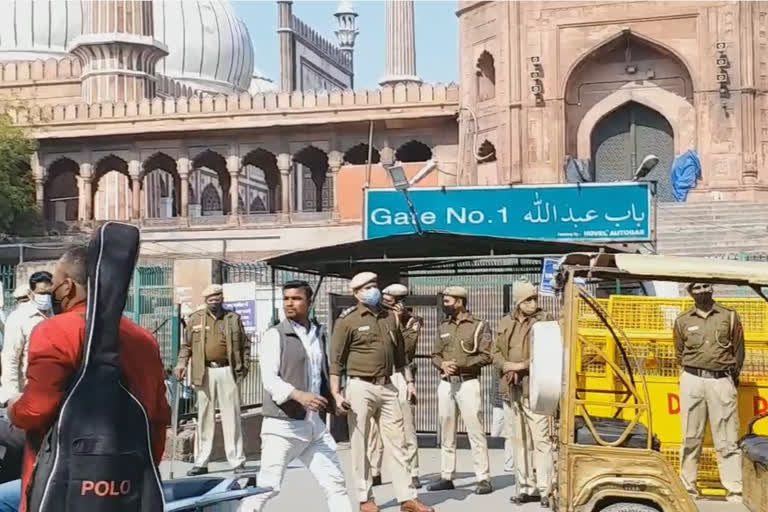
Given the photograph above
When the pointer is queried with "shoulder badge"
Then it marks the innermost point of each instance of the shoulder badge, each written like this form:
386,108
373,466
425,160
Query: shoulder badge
347,311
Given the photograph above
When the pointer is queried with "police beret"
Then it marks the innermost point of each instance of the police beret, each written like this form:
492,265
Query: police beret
214,289
396,290
362,279
456,291
21,291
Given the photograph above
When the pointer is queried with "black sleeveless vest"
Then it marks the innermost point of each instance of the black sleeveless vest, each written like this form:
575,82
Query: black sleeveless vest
97,456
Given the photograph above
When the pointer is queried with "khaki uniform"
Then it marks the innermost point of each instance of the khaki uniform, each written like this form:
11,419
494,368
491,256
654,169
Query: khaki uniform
411,331
465,340
219,351
710,350
369,347
528,431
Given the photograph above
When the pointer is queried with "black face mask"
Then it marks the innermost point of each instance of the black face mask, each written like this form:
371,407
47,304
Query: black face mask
215,308
56,306
449,310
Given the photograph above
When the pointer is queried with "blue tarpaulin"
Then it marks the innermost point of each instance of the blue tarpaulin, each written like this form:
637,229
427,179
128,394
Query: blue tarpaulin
686,171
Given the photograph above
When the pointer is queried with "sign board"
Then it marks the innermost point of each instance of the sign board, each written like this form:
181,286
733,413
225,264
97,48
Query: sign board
247,311
548,268
595,212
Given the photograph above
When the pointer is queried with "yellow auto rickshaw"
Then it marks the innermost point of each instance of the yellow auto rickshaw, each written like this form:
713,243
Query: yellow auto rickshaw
607,456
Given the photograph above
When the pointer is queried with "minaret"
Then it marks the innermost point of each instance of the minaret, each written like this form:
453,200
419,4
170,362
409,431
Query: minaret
287,52
346,33
401,45
118,51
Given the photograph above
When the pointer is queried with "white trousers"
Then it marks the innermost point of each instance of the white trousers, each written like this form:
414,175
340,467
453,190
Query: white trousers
464,396
376,445
499,429
527,428
219,383
318,455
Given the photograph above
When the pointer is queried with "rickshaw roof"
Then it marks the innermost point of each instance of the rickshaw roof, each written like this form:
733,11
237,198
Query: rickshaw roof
669,268
419,251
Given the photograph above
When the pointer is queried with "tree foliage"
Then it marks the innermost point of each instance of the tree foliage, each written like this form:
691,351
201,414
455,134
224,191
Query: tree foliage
18,208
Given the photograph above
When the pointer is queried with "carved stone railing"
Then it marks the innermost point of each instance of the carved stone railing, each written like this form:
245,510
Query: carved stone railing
400,95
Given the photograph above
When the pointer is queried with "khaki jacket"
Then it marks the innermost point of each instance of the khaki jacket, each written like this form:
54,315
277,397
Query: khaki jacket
513,344
193,345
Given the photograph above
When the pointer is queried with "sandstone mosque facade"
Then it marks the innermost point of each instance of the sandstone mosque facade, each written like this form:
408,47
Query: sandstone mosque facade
153,111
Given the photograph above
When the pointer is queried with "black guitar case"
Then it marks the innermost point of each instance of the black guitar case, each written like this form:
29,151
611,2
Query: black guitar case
97,457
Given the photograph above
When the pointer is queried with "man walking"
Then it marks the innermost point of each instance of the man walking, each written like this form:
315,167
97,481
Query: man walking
512,358
368,345
18,329
709,345
294,370
393,297
461,351
219,352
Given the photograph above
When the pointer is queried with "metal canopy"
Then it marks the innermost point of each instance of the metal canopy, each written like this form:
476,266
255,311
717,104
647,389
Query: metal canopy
405,253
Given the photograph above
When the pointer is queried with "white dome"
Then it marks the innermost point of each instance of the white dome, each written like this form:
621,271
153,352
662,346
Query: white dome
37,29
209,48
261,83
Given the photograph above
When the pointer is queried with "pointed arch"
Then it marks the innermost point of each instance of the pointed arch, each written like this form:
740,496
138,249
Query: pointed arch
61,193
358,155
314,198
413,151
210,200
161,186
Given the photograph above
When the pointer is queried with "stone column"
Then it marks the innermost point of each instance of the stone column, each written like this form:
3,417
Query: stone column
233,168
134,171
287,54
183,166
86,191
749,173
38,175
284,166
335,161
401,46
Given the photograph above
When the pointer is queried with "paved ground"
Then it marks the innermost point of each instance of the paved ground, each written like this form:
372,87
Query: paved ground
300,491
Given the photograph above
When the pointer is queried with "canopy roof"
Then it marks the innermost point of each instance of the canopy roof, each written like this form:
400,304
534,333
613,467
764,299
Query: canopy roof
414,251
669,268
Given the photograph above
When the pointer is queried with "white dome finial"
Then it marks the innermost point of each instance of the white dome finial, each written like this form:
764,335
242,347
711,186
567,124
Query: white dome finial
346,21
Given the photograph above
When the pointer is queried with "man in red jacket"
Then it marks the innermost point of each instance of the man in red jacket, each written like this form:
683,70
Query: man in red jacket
54,356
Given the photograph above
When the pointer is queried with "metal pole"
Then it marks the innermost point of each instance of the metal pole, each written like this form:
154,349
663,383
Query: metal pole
413,212
370,156
174,422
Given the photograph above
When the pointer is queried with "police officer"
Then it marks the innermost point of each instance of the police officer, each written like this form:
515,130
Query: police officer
709,345
462,349
393,297
525,428
368,345
217,350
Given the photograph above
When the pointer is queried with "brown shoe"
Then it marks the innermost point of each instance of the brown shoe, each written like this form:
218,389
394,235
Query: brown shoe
415,506
369,506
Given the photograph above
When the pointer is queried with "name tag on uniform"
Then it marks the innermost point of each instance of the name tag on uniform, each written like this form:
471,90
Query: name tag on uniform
364,328
197,327
693,328
445,335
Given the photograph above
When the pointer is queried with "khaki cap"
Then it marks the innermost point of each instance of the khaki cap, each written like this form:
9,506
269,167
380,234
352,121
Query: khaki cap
214,289
362,279
522,291
396,290
456,291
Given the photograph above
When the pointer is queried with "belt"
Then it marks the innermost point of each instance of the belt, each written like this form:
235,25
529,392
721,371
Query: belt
458,378
217,364
707,374
380,381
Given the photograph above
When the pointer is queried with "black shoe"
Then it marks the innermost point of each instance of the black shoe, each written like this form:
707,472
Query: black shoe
484,487
415,482
545,501
377,480
522,498
441,485
197,471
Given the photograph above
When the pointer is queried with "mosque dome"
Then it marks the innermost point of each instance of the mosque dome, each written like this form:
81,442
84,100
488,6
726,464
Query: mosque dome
37,29
209,48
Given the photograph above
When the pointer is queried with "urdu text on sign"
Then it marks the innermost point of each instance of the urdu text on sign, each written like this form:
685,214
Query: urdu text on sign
609,212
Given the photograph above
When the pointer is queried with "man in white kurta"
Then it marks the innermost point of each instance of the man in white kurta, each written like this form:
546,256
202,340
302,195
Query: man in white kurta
293,427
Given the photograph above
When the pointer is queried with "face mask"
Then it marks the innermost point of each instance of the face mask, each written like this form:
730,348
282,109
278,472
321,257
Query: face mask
214,308
56,306
371,297
449,310
43,301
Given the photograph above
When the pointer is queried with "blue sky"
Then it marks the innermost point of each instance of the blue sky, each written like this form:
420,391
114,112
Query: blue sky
436,36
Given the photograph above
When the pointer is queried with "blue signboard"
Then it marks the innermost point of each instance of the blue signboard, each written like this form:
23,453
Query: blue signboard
247,311
548,268
607,212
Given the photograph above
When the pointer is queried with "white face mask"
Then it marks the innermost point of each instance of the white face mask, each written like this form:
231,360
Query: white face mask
42,301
